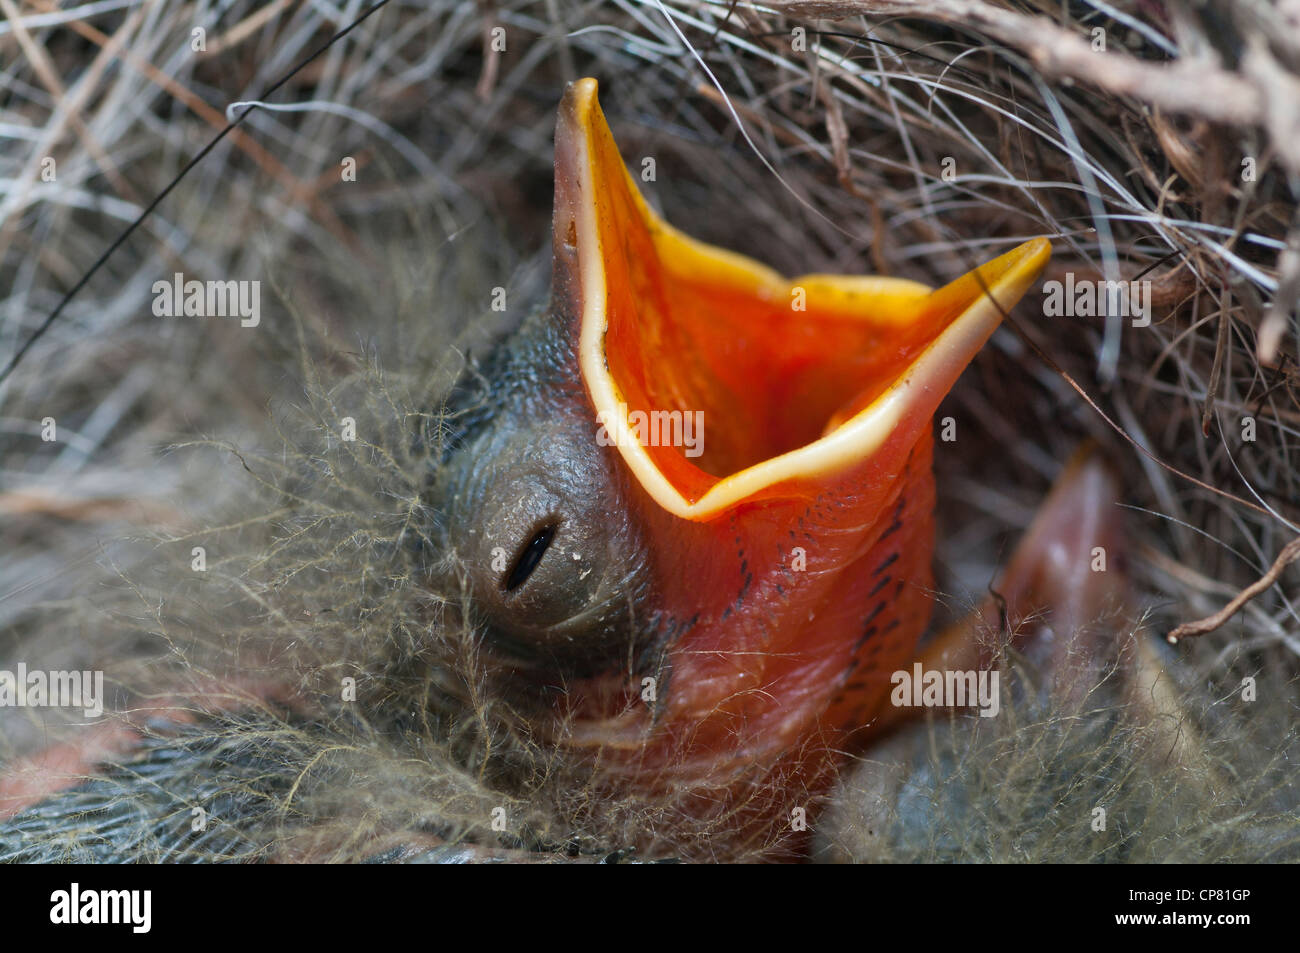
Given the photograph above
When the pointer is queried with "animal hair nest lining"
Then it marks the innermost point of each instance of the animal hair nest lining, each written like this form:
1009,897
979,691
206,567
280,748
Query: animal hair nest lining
904,138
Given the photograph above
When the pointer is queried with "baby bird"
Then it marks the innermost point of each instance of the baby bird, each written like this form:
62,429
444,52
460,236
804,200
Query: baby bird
694,509
685,513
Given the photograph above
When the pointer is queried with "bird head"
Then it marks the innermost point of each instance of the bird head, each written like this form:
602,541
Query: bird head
694,509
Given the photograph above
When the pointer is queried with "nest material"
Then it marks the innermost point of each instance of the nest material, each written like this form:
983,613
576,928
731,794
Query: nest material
895,137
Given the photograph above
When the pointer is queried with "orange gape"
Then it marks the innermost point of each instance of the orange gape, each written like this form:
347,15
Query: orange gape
791,547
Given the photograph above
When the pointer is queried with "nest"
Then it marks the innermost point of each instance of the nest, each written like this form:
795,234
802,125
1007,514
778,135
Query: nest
1150,140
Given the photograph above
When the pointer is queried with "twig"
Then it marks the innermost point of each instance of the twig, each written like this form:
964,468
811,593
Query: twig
1221,349
1263,93
1289,554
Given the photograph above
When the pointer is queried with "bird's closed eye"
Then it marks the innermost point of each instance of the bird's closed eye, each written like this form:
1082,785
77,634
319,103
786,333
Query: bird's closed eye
528,558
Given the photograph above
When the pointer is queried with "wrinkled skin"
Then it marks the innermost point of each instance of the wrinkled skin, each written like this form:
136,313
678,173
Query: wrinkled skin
524,471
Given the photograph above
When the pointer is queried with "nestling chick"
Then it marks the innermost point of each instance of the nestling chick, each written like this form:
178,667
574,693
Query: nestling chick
641,584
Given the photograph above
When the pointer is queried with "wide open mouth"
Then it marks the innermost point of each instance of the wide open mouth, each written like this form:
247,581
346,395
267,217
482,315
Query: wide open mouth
716,377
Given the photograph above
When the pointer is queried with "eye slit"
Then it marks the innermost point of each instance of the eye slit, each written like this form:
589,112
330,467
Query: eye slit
529,558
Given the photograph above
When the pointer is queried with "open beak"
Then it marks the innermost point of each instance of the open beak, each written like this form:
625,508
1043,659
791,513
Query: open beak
777,436
797,379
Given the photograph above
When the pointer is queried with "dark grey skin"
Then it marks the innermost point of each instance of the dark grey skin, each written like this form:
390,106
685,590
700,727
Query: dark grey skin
141,811
240,769
533,510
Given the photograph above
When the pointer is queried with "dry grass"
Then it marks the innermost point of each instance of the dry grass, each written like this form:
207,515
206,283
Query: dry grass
908,138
